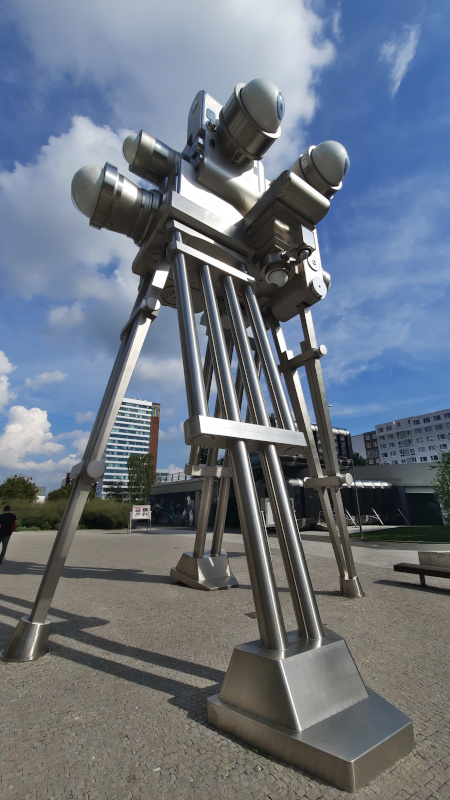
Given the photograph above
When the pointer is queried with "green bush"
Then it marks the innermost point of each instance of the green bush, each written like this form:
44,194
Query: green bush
47,516
106,514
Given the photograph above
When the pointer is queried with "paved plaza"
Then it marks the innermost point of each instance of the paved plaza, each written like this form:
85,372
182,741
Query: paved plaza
117,709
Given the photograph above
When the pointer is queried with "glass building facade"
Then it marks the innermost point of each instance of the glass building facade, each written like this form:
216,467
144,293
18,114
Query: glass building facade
130,435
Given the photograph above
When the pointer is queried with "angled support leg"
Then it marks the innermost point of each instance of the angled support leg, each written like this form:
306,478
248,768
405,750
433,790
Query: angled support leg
29,641
199,569
349,583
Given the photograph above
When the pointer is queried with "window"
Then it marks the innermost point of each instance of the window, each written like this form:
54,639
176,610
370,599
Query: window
422,449
420,439
447,415
437,416
419,430
414,460
408,441
390,436
403,460
395,462
442,447
408,433
428,430
430,438
424,458
388,427
434,458
416,422
431,447
439,427
412,451
382,438
402,452
382,429
398,424
384,455
367,435
426,419
441,436
393,452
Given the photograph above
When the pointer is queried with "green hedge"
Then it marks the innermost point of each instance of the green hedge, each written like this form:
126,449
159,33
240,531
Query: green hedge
47,516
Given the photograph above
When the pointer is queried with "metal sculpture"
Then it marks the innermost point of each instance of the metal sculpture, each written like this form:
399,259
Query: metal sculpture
215,236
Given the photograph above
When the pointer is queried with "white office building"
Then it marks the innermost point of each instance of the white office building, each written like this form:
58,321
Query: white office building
130,435
414,439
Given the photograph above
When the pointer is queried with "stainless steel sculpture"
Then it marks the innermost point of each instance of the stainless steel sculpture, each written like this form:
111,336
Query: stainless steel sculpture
215,236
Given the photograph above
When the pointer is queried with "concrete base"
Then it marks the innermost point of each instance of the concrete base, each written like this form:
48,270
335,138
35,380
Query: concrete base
309,707
434,558
207,572
28,642
351,587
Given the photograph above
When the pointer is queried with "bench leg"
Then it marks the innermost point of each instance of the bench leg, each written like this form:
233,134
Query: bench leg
422,580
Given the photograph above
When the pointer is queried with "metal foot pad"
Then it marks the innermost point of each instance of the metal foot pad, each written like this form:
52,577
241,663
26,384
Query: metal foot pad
206,572
308,706
348,750
28,642
351,587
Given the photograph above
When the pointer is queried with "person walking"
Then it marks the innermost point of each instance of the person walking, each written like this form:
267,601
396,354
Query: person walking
8,524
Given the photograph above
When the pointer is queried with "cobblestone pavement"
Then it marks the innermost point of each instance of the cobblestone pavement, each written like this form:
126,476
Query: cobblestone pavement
117,709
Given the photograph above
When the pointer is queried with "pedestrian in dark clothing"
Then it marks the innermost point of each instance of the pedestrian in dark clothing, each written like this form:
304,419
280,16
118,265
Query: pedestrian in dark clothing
8,524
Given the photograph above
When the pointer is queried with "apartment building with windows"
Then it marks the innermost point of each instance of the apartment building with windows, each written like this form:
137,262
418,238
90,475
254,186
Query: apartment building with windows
135,431
414,439
366,444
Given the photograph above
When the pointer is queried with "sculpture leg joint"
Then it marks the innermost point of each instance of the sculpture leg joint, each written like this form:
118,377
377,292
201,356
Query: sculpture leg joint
28,642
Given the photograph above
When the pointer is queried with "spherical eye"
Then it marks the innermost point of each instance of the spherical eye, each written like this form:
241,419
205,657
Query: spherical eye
280,106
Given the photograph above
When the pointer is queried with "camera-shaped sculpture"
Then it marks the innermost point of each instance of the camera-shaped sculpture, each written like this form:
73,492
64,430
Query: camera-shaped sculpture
216,237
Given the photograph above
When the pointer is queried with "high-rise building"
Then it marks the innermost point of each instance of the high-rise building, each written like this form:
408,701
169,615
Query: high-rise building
135,431
366,445
415,438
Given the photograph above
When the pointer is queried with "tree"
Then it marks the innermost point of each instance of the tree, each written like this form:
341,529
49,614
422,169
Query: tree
60,494
117,491
203,456
442,485
64,492
141,474
18,487
358,461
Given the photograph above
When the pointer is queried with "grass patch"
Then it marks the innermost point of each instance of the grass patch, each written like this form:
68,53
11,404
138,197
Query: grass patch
414,533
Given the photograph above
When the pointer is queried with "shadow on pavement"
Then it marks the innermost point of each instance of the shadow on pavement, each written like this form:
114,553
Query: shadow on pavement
184,695
415,586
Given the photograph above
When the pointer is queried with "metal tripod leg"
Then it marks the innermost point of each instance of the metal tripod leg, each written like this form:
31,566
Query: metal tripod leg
307,701
30,638
349,583
197,569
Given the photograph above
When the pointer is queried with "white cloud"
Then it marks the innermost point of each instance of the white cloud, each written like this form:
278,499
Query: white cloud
60,255
174,434
398,53
390,293
67,316
157,372
45,378
26,433
84,416
144,83
6,394
27,445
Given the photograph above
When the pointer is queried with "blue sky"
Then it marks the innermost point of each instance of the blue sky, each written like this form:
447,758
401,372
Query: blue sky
76,78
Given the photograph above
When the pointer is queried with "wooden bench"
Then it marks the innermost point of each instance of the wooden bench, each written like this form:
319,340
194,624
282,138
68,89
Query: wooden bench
423,569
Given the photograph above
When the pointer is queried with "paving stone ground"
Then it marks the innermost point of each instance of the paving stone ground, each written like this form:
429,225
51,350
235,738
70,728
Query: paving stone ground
117,709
